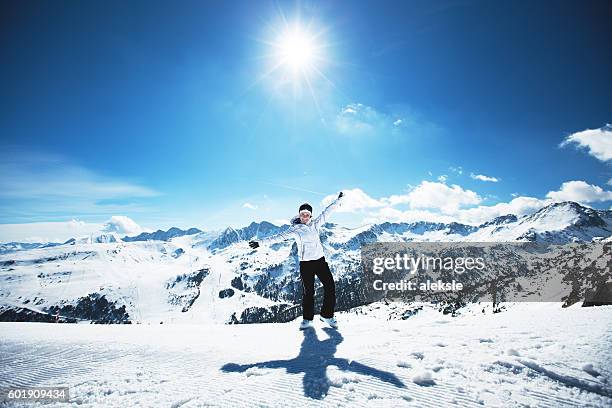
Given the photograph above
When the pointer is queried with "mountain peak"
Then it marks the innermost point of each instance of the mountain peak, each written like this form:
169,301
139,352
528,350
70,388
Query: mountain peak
564,214
502,219
161,235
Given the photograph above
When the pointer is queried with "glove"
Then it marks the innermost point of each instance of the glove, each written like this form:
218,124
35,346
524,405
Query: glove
340,195
253,244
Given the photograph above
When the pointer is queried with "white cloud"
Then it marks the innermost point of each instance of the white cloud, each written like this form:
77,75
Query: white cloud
425,199
122,225
47,231
40,186
438,202
357,118
64,181
396,199
598,142
458,169
580,191
428,201
390,214
249,206
442,178
353,201
61,231
360,119
473,216
482,177
440,196
518,206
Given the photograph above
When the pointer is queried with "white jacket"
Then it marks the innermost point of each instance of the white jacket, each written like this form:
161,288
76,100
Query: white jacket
306,235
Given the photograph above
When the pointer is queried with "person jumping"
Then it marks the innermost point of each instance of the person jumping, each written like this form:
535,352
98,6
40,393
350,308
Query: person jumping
305,231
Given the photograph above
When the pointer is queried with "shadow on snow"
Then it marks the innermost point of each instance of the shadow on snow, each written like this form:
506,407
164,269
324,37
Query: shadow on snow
314,358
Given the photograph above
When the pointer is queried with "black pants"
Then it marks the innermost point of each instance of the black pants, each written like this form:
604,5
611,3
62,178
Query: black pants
308,270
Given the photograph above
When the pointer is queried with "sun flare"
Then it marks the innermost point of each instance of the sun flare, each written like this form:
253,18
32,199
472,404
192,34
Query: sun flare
297,53
297,50
295,59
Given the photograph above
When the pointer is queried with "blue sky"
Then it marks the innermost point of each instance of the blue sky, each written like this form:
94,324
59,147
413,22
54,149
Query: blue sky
163,113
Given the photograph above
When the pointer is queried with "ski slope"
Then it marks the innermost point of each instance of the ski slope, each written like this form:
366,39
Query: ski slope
536,354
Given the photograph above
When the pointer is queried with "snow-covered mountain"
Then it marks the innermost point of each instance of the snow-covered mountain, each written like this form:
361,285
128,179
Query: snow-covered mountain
253,231
160,235
556,223
180,276
19,246
99,239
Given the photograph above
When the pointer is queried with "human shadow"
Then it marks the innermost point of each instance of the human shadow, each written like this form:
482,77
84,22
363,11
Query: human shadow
314,358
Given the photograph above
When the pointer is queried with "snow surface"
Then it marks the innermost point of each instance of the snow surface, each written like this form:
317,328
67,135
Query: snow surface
535,354
134,274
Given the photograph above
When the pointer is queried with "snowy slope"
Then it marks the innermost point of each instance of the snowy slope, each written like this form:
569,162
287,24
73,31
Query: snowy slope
216,277
531,355
134,274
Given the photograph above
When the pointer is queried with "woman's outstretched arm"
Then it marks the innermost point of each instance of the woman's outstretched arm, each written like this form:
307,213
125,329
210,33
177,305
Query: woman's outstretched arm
280,236
322,218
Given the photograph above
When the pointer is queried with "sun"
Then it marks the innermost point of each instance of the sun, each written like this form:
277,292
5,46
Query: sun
297,50
295,56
